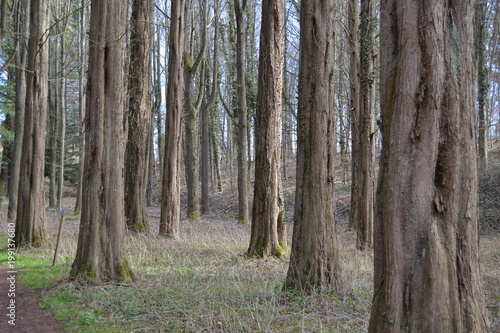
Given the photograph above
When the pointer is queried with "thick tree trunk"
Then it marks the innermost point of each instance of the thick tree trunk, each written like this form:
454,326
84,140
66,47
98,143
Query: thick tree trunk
139,116
31,227
170,201
243,214
315,262
426,235
101,252
268,236
22,23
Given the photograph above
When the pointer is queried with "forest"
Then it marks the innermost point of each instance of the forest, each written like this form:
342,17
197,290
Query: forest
250,166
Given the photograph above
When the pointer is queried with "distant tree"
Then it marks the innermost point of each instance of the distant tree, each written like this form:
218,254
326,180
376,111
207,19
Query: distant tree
170,198
426,237
31,227
206,109
268,235
191,110
100,252
139,115
314,261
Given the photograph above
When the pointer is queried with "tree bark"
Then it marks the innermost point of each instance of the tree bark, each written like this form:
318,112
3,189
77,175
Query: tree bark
243,214
314,261
31,229
139,116
101,252
268,234
426,235
170,201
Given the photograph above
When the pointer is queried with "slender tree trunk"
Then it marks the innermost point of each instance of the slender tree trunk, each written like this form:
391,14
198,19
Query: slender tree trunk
62,115
243,214
365,176
81,108
314,261
139,115
426,235
101,252
205,122
268,235
354,72
22,27
31,229
483,85
170,201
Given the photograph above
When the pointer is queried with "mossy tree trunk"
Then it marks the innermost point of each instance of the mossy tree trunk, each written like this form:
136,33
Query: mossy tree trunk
139,115
315,262
31,227
170,199
426,234
101,250
268,235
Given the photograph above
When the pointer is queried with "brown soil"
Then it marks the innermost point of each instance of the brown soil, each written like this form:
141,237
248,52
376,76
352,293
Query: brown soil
29,317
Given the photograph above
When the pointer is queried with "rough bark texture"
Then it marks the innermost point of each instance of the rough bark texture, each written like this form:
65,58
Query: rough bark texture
170,201
31,229
101,252
314,261
243,212
426,235
139,116
268,235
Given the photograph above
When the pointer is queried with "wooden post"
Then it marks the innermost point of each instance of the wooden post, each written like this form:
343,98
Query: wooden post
63,215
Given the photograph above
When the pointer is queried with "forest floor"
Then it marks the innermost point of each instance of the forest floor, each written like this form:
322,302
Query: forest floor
204,283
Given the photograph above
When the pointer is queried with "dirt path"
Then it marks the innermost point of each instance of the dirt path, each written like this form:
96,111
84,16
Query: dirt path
24,310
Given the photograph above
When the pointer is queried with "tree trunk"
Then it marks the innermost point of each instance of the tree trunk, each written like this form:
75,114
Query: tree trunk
354,71
81,108
314,261
170,201
483,84
426,235
101,252
139,115
205,122
62,115
240,9
365,176
31,229
268,235
22,23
